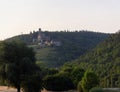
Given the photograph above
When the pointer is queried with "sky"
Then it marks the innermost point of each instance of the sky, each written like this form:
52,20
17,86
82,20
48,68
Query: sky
22,16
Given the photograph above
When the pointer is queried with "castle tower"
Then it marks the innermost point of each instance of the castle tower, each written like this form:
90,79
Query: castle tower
40,30
39,35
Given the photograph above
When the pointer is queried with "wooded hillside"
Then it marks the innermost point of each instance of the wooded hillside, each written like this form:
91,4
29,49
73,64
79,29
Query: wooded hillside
104,60
72,45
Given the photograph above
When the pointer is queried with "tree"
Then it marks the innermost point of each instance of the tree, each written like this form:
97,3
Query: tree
58,83
89,81
17,63
32,83
77,75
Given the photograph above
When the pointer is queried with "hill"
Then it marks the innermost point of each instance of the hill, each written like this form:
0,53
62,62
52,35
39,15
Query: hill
55,48
104,60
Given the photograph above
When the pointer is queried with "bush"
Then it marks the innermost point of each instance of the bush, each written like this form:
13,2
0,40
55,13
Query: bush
58,83
89,81
77,75
96,90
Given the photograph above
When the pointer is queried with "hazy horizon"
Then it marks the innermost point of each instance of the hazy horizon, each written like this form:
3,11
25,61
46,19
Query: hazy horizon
23,16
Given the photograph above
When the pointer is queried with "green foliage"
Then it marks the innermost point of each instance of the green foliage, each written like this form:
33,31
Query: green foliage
58,83
79,87
77,75
89,81
46,55
32,83
52,71
48,71
104,60
17,63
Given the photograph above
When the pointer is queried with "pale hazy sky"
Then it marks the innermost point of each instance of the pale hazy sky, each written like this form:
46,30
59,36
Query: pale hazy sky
23,16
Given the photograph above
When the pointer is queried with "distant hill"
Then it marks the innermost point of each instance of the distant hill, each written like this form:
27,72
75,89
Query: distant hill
55,48
104,60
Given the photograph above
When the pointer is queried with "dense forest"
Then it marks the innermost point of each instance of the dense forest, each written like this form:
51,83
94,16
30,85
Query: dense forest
104,60
72,45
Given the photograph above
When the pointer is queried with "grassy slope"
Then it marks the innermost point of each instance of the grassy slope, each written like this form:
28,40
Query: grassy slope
44,55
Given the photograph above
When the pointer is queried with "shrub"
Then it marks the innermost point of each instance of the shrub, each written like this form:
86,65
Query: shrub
58,83
89,81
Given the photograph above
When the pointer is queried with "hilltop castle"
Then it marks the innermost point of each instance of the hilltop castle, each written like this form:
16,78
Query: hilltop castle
43,40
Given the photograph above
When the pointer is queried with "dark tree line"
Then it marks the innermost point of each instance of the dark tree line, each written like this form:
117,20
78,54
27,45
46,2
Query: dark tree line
17,66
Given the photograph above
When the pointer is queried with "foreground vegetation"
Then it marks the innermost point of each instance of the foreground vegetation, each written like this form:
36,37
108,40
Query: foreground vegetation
104,60
18,68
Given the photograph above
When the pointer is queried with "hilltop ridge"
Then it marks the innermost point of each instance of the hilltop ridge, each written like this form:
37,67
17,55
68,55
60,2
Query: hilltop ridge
55,48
